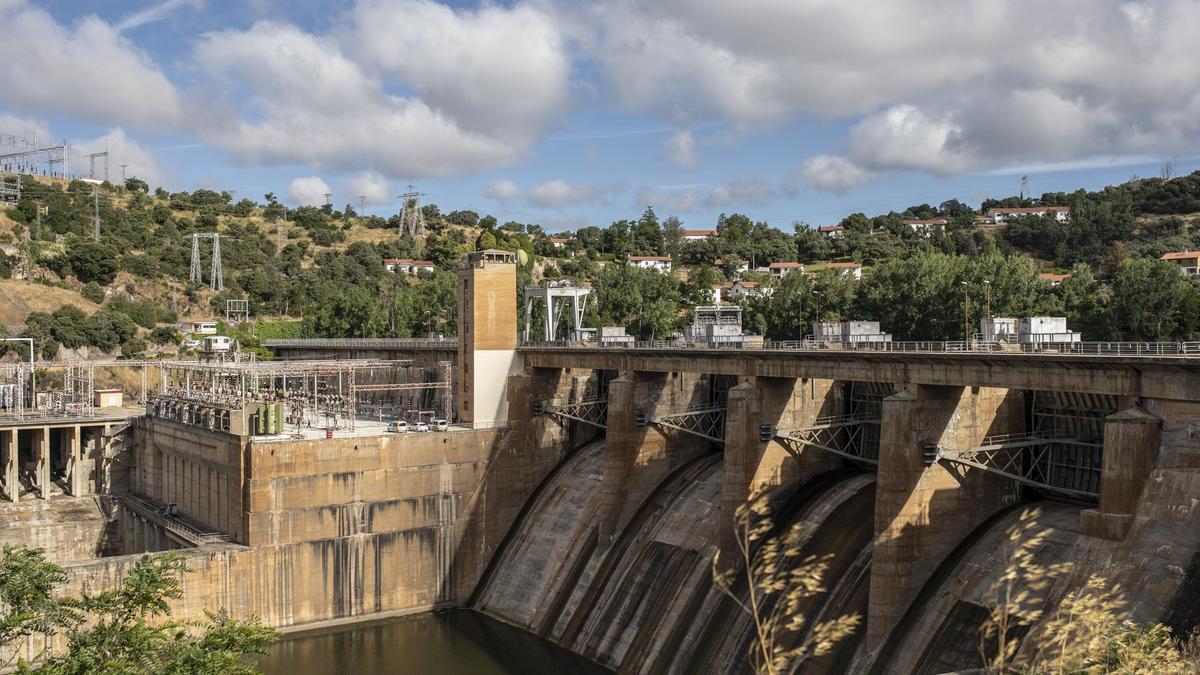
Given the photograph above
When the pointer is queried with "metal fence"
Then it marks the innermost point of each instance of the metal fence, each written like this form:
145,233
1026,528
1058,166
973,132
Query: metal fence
1149,349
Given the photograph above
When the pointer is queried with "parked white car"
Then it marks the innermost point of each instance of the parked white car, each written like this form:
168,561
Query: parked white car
441,425
420,426
398,427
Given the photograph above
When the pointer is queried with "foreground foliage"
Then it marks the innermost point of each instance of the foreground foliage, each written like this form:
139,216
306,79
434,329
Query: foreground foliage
777,587
122,630
1088,632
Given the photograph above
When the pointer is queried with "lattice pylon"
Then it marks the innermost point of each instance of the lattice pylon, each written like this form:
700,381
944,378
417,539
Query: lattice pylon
194,274
216,277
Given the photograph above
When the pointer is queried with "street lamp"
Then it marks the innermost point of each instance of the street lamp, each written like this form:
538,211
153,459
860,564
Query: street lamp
991,331
966,323
817,327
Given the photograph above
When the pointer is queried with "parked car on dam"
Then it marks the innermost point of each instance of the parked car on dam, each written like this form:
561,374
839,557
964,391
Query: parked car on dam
441,425
398,427
420,426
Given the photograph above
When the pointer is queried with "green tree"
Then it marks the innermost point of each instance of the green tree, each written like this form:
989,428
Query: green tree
91,260
91,291
1151,300
121,630
646,302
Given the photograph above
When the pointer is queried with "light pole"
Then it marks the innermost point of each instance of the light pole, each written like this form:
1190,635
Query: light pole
966,323
991,331
817,325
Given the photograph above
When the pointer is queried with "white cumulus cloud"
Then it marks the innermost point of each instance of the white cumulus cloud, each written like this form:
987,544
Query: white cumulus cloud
833,173
681,148
87,70
121,150
739,192
371,186
552,194
308,191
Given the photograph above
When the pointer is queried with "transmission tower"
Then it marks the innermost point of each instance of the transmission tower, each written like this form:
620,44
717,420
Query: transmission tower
216,276
123,172
92,164
20,154
1024,186
412,219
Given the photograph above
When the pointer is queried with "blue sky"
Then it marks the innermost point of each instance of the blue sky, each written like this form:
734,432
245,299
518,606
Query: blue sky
567,113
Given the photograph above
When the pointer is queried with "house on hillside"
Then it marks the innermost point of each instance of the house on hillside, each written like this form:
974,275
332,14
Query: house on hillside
408,265
926,227
749,289
1188,262
832,231
559,242
1053,280
852,270
199,326
740,266
1000,215
698,235
780,269
658,263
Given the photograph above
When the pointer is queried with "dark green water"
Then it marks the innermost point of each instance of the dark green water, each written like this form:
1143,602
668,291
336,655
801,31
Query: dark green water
456,642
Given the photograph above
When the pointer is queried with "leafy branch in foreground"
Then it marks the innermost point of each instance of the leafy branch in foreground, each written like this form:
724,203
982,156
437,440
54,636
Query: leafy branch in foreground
120,630
777,586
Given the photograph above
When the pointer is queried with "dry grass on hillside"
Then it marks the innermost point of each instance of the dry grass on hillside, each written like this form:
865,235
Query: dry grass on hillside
18,298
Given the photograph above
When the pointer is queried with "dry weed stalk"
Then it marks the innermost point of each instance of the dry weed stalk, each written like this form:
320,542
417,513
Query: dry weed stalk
1087,633
775,590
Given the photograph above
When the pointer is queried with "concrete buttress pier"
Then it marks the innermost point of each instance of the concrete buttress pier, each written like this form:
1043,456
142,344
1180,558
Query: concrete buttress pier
753,458
1131,443
639,455
923,512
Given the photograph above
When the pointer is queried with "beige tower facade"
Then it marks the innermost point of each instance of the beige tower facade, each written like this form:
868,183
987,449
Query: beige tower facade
487,335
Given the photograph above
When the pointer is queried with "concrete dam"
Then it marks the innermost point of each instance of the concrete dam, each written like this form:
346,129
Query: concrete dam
584,492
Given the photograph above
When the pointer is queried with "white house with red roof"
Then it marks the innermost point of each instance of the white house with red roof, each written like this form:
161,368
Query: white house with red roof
658,263
1188,262
408,265
698,235
779,269
1004,214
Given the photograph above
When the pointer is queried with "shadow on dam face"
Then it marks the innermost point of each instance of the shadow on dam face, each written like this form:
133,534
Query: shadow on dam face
456,641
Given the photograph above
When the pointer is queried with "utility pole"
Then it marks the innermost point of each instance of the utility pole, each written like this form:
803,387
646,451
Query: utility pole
327,196
362,199
966,324
123,172
96,216
38,206
987,287
818,330
282,236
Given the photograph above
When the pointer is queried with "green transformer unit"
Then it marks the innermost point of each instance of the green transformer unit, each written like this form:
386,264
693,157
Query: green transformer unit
260,421
271,428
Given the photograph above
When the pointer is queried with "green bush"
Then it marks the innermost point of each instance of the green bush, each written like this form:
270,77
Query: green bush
92,292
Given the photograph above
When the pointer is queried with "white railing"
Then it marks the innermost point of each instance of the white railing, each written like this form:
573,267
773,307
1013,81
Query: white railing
1147,349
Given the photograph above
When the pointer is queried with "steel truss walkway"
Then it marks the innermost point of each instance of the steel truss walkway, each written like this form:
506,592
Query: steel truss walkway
1036,459
706,421
593,411
843,435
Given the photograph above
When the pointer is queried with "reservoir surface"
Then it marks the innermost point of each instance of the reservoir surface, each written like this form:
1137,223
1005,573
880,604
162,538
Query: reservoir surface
459,641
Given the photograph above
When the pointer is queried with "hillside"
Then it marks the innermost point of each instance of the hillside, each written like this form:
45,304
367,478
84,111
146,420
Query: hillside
329,273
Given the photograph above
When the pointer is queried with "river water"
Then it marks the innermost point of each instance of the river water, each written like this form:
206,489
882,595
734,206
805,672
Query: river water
459,642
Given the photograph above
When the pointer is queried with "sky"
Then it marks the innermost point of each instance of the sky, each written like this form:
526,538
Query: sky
568,113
